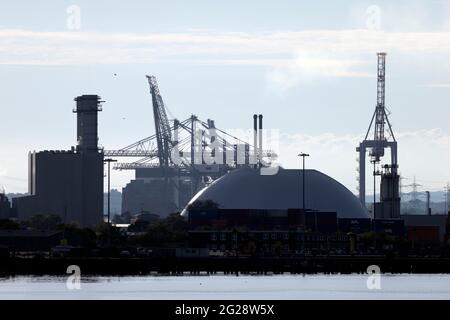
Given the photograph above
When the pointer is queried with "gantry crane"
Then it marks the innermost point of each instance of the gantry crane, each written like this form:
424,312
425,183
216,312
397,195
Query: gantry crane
383,137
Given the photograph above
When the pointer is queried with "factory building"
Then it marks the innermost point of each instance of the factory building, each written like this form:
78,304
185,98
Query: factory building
68,183
156,192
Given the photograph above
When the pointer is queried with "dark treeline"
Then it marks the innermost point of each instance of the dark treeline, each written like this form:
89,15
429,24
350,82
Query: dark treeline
168,231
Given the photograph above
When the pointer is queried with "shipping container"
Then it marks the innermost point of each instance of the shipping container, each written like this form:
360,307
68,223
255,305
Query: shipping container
356,226
325,222
296,218
423,233
395,227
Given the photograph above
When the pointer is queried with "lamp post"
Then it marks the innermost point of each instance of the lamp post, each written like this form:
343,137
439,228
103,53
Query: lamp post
109,186
303,155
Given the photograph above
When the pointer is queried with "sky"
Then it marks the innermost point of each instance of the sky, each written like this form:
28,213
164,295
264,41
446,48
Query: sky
308,66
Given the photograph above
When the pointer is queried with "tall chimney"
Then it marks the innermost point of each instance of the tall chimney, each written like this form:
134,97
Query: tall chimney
428,203
255,139
87,107
260,138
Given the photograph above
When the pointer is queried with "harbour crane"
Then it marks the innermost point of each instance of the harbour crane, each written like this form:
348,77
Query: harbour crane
162,126
383,137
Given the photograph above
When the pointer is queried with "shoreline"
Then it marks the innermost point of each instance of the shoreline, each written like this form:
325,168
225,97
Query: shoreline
230,265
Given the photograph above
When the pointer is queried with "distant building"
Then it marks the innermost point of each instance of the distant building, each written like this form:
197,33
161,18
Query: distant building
68,183
152,192
139,223
5,207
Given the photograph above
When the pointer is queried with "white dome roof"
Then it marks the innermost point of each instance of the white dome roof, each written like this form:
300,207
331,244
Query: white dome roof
248,189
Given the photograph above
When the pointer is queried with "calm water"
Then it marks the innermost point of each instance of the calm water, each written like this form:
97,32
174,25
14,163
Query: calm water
229,287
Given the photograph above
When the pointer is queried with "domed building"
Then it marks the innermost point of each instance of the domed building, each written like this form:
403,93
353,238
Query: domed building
248,189
251,212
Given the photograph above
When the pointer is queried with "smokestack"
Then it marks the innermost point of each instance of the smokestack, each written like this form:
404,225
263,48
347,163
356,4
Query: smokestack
260,138
428,203
255,139
87,107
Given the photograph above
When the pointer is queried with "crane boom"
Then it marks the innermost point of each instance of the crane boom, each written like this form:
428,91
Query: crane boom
162,126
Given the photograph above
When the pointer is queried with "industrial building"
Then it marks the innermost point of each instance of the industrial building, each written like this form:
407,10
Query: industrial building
150,192
68,183
5,207
247,189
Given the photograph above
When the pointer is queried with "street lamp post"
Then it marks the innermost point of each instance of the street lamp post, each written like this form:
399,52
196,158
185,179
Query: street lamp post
303,155
109,187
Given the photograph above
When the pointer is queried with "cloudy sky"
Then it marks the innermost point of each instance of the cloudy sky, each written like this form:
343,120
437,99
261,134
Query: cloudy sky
308,67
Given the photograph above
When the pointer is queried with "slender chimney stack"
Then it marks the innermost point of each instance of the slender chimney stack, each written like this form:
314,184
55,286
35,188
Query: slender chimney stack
260,138
255,139
428,203
87,110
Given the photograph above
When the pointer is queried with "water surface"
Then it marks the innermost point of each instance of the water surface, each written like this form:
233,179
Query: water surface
403,286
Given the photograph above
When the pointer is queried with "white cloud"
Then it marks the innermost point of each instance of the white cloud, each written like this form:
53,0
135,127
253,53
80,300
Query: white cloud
317,49
291,57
